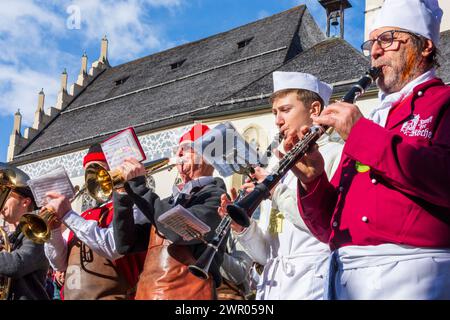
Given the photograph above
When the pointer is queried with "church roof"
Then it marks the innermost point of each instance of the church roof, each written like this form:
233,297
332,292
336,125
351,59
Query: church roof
334,61
163,89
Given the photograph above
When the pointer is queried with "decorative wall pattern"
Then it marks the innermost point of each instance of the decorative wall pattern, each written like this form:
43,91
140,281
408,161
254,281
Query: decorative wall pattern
156,145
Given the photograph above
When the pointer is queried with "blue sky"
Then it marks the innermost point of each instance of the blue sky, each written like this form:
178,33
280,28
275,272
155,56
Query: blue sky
39,38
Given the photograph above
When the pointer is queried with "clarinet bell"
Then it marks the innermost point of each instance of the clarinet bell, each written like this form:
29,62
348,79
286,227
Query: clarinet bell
201,268
239,215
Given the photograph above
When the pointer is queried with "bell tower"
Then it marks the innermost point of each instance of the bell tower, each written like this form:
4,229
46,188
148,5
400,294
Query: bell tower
334,11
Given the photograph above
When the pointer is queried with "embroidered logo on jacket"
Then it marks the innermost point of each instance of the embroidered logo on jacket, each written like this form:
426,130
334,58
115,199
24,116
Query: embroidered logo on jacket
417,127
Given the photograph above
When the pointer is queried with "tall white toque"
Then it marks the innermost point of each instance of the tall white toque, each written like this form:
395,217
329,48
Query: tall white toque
422,17
298,80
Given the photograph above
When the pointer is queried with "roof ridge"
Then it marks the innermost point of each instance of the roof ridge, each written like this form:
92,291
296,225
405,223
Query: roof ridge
299,7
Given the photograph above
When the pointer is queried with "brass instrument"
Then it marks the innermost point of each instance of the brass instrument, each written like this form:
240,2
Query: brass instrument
100,182
36,225
241,210
11,179
5,282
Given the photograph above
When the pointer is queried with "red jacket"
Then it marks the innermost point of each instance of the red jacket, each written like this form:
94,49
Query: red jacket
405,196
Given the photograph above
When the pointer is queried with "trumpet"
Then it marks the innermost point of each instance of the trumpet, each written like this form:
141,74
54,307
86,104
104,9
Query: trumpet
100,182
242,209
36,225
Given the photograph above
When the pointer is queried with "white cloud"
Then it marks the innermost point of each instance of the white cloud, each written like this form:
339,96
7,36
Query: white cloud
262,14
36,43
20,90
165,3
127,25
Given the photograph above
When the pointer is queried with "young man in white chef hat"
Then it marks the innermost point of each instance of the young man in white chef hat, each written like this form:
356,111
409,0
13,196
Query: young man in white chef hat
295,262
389,224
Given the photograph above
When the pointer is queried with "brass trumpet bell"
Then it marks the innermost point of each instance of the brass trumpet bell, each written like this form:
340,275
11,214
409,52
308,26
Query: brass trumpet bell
36,225
11,178
100,182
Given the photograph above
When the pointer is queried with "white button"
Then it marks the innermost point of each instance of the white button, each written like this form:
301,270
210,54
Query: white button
420,93
364,219
335,224
341,189
374,181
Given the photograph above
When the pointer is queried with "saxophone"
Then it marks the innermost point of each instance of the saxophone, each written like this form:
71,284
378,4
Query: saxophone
5,282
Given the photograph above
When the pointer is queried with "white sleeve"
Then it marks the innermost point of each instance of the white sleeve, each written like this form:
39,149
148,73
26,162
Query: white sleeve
254,243
100,240
56,250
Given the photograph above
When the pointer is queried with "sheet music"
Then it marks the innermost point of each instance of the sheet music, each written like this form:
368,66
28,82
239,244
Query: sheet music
121,146
226,150
184,223
56,180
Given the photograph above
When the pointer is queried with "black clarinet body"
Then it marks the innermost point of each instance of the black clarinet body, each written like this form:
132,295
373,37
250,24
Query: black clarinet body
242,209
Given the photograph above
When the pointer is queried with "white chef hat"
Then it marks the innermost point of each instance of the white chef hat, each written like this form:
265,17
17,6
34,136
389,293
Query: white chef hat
419,16
298,80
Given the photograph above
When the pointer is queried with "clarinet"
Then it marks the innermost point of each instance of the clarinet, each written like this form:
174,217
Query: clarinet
242,210
201,267
264,161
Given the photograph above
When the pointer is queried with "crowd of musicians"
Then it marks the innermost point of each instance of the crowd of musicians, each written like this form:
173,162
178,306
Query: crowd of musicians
364,214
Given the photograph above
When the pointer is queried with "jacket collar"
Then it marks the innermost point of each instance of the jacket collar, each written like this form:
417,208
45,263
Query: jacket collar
406,112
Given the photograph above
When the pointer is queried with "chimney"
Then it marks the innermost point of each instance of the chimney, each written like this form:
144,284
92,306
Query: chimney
84,63
82,79
38,115
17,122
102,63
64,80
16,141
104,51
63,96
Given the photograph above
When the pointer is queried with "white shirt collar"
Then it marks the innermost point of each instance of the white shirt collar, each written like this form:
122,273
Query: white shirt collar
187,188
379,114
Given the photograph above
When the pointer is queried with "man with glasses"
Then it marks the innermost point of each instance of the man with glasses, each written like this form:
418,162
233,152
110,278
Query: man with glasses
386,212
165,275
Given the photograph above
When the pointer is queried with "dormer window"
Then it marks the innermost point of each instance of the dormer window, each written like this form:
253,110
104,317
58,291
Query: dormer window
244,43
121,81
177,64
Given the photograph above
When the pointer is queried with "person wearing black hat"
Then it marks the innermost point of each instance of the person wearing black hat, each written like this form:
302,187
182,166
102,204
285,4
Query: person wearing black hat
25,264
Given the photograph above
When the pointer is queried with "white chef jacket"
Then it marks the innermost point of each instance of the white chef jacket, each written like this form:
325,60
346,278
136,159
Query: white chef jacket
295,262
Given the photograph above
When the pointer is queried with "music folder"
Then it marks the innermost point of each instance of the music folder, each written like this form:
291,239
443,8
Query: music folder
122,145
184,223
56,180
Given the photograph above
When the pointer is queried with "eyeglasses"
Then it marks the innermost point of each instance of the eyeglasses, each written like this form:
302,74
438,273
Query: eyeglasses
384,40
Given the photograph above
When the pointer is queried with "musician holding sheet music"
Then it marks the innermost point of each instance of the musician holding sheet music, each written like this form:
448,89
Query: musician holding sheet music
86,250
165,274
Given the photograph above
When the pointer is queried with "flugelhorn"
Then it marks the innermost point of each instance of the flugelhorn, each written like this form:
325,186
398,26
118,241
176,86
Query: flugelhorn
241,210
36,225
100,182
